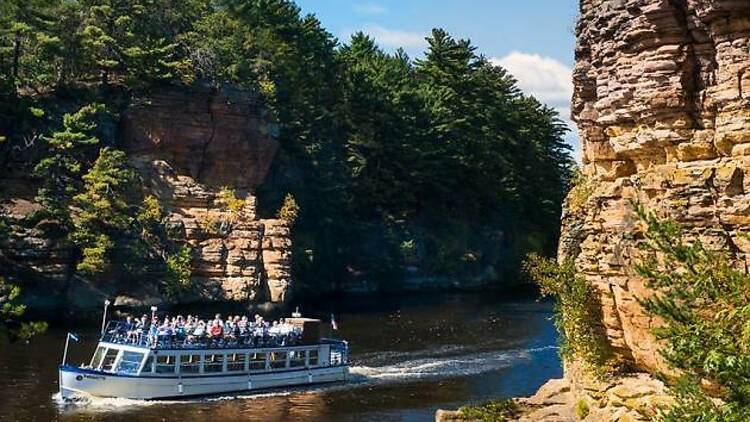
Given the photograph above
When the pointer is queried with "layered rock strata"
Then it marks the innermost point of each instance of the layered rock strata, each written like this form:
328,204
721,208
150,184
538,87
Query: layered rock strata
662,104
663,109
188,146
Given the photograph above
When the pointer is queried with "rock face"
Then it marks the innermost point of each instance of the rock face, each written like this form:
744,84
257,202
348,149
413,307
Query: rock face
218,137
662,101
188,144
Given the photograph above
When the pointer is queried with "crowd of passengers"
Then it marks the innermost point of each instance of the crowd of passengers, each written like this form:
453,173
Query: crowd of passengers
217,332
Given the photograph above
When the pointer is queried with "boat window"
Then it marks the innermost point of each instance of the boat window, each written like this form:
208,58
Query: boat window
129,362
98,355
312,357
236,361
190,364
149,366
296,358
257,361
213,363
278,360
165,364
109,359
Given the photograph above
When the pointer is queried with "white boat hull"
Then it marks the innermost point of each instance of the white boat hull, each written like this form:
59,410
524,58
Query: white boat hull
76,381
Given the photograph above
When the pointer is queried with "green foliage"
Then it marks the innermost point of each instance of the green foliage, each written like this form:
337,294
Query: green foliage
289,210
582,409
582,187
704,303
150,212
227,199
693,404
103,209
494,411
68,152
137,40
376,149
577,311
10,312
179,269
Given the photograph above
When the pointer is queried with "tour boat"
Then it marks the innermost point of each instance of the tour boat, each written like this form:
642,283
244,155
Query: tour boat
135,369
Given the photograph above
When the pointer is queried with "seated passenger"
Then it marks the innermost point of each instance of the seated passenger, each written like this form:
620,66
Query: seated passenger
198,333
216,332
125,329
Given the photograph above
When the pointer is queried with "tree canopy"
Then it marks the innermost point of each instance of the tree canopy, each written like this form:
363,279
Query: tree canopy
438,162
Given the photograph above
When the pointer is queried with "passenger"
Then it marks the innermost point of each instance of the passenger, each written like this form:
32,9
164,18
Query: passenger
216,332
126,329
140,328
179,330
243,330
153,332
217,319
166,332
196,336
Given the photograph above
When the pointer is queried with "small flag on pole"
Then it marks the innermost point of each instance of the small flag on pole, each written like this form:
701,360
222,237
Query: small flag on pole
333,323
73,336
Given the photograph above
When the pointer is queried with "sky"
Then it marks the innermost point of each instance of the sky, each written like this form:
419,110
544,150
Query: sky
532,39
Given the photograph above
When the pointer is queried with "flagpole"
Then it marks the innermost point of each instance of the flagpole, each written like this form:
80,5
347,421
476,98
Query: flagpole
65,353
104,316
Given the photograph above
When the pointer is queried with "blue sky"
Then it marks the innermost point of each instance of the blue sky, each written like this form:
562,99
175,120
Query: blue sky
533,39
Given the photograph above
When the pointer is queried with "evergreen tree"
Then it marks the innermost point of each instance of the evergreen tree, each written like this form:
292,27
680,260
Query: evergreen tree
69,150
137,41
105,211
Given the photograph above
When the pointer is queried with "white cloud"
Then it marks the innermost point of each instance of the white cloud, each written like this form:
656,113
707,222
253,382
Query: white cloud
369,8
547,79
395,38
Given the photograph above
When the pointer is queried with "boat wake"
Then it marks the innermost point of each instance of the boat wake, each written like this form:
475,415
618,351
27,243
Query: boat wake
368,371
441,367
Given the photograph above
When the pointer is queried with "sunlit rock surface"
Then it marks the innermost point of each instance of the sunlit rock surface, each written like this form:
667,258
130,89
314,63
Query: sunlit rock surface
188,144
662,103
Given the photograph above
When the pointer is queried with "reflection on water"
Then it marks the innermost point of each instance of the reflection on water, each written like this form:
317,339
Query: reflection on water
409,357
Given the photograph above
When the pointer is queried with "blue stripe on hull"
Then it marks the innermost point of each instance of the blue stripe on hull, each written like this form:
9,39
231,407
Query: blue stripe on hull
78,370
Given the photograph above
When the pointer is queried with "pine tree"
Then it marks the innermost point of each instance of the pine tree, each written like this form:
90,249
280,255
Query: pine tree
104,207
136,41
69,150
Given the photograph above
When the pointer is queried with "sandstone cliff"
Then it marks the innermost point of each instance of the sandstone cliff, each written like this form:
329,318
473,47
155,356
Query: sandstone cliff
187,144
662,103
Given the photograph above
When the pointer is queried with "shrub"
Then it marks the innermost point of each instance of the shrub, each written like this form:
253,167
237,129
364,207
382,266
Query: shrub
494,411
580,192
11,311
289,210
179,270
577,310
704,303
228,201
582,409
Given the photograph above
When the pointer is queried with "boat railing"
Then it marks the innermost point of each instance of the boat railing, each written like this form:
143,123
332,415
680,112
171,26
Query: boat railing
119,332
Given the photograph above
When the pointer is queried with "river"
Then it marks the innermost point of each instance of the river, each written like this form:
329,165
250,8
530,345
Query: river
409,357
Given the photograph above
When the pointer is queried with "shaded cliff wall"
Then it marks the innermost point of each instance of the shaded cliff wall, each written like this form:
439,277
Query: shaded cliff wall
190,143
187,143
662,102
